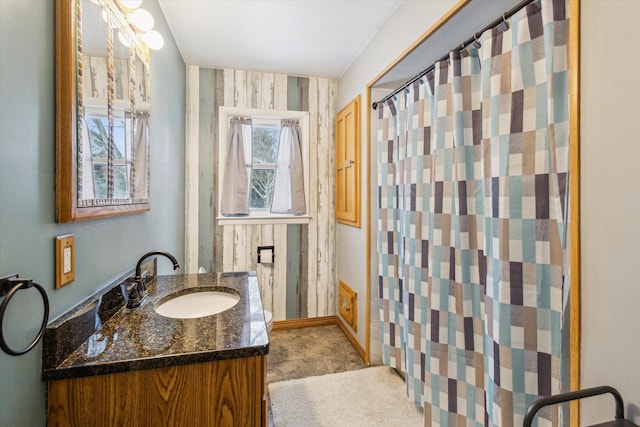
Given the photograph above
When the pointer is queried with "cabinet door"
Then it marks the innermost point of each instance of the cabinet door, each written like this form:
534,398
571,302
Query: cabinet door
209,394
348,164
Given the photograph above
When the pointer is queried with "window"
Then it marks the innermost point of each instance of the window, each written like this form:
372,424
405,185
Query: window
259,187
266,136
97,155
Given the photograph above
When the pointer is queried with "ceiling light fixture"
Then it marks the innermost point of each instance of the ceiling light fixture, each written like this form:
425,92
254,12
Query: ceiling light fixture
130,4
123,39
153,39
111,23
139,21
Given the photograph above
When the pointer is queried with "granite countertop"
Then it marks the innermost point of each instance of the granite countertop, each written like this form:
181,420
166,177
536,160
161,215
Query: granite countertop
124,340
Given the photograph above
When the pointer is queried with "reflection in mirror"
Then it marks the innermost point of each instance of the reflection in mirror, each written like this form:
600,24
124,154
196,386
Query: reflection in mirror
102,97
122,107
93,123
141,84
139,172
109,126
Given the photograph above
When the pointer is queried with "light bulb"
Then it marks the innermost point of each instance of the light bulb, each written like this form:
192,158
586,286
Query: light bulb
153,39
141,19
130,4
104,17
123,39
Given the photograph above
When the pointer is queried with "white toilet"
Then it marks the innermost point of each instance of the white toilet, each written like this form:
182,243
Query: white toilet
268,318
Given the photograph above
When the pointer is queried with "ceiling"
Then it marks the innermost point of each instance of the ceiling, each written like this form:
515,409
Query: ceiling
470,20
319,38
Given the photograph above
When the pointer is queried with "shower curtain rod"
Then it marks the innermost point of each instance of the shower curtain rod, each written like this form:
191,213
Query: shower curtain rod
473,39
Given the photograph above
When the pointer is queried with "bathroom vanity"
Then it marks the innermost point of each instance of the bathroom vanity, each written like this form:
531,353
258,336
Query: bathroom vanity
138,368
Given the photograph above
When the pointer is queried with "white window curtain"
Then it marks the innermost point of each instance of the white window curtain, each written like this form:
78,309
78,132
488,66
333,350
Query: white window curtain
237,171
140,182
86,185
288,191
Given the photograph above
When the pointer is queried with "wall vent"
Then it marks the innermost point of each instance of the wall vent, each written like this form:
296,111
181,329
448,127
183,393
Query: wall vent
348,305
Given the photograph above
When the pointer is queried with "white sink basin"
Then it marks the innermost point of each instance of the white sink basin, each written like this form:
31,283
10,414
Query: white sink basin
197,304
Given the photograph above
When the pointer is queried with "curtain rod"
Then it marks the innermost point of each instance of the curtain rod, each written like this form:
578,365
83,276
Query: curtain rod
473,39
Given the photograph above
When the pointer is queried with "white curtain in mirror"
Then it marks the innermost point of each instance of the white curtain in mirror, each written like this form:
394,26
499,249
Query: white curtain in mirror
140,173
86,190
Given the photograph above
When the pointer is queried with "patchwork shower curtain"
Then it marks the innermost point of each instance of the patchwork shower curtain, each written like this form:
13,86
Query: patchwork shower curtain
473,174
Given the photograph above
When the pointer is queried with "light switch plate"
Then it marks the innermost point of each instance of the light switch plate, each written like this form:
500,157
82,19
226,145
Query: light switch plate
65,260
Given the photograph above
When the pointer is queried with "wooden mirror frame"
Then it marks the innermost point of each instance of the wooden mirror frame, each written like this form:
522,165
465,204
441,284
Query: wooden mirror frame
66,54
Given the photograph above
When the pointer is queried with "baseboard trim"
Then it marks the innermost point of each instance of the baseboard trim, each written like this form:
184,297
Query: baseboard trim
282,325
354,342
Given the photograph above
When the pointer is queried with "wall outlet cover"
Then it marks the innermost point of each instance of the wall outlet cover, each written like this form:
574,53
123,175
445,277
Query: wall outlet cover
65,260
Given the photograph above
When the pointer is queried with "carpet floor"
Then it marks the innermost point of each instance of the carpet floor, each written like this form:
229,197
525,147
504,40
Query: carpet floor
366,397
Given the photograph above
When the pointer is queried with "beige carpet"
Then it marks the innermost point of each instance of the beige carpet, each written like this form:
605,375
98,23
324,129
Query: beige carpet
368,397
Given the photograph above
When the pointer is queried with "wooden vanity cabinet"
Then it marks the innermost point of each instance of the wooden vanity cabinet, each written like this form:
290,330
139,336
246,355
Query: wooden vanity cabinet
217,393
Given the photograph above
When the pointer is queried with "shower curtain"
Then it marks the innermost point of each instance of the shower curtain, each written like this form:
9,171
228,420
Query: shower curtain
472,217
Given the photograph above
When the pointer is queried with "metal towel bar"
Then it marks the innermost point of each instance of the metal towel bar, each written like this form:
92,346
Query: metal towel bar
9,285
580,394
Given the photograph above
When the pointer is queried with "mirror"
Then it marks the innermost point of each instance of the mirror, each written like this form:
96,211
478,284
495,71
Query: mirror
102,108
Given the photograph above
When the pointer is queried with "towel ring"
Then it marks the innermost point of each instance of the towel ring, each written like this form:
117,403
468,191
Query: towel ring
21,284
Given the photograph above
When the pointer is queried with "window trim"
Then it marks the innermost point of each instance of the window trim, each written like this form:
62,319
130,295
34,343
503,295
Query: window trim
262,216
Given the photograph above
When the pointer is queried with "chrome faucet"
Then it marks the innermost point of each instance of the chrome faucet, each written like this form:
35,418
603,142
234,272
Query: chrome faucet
138,289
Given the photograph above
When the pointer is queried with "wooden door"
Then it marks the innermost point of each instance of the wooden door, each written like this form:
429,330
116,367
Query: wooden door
348,164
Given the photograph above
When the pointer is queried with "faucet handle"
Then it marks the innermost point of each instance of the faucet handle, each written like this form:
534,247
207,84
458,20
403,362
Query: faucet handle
134,295
142,282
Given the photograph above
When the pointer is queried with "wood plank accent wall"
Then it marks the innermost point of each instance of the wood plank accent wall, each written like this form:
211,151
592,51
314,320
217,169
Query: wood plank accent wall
233,247
192,130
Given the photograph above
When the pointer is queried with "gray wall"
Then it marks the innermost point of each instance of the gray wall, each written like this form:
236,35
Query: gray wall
104,248
408,22
610,202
